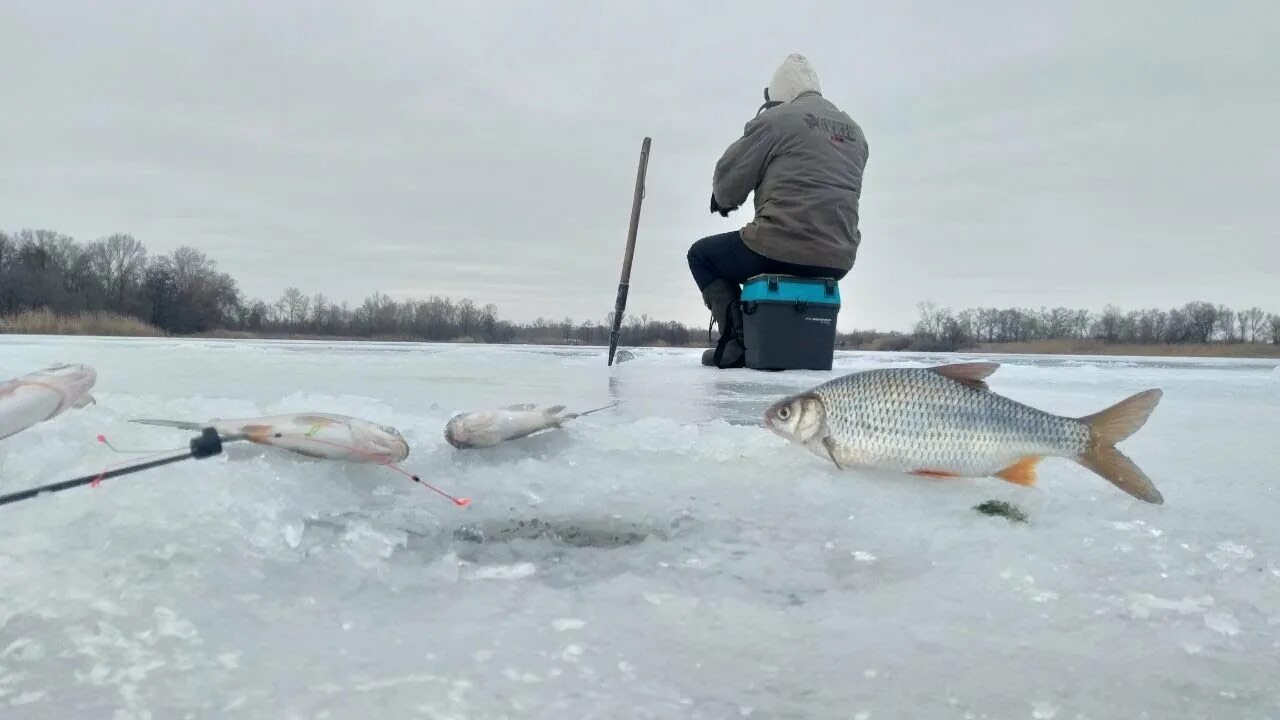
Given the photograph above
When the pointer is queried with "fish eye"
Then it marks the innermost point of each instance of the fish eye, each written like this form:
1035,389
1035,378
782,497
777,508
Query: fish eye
784,412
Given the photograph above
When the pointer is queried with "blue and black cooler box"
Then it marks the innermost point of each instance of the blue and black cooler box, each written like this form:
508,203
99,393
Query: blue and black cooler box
789,323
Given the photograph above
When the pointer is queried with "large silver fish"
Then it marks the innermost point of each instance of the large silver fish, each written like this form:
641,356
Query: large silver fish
323,436
487,428
42,395
945,422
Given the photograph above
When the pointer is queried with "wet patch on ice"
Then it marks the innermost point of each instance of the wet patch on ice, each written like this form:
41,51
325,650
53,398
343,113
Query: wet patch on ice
1000,508
603,532
558,550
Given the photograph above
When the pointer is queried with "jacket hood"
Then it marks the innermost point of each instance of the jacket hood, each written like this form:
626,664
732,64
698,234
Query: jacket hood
792,78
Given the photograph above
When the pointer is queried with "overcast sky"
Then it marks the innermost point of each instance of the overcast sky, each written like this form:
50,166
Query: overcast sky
1073,153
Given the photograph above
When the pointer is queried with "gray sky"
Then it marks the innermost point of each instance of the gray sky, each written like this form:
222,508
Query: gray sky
1071,153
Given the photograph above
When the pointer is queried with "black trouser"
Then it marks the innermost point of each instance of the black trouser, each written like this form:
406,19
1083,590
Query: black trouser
726,257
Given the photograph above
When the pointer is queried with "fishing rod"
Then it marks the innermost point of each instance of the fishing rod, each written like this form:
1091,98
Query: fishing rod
620,304
207,444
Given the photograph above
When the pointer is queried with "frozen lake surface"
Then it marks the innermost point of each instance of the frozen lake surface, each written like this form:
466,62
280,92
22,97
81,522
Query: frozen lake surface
669,558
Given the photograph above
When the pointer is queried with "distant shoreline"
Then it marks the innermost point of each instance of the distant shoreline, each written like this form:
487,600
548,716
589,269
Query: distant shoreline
1095,347
1041,347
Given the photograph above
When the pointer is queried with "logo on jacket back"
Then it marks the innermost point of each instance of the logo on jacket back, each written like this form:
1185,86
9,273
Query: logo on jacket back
839,132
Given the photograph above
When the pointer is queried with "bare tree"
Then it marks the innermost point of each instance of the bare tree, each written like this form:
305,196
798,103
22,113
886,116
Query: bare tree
1227,324
1058,323
190,266
1202,320
1082,323
119,261
1252,322
468,317
319,311
294,304
1109,324
930,324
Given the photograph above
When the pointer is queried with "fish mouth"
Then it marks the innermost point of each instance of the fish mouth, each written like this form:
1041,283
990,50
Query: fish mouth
770,419
778,431
455,433
81,380
386,455
387,448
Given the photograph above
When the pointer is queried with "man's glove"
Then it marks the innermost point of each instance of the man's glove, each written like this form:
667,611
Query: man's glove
715,207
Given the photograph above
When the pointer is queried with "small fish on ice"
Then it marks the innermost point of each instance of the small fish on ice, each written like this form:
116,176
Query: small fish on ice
944,422
323,436
487,428
42,395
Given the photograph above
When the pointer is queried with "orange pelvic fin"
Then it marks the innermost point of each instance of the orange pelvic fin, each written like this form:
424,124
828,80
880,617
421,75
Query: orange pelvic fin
940,474
1022,472
972,374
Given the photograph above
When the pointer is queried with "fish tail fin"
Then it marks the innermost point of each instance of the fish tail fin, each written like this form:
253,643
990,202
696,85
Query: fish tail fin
1111,426
179,424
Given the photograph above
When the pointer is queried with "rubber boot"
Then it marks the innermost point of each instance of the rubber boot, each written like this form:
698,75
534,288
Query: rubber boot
721,298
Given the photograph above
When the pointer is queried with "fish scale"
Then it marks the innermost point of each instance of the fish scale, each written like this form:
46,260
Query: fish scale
910,419
945,422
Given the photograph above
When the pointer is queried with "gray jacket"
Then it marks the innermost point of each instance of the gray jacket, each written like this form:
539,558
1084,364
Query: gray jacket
804,160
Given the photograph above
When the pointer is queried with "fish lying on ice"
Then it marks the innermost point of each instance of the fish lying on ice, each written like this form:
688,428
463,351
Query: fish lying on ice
323,436
42,395
945,422
487,428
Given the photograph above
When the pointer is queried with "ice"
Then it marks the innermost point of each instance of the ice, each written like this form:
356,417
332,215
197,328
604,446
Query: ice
1222,623
669,558
1044,711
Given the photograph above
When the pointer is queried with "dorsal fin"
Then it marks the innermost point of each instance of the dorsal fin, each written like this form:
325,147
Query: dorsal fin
971,374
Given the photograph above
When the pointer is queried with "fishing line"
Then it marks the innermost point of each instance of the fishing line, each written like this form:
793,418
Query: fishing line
207,444
122,463
103,439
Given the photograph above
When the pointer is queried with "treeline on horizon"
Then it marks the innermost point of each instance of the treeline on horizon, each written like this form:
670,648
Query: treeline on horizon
184,293
1194,323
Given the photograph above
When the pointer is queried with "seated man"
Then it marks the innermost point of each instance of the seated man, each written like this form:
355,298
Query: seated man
804,158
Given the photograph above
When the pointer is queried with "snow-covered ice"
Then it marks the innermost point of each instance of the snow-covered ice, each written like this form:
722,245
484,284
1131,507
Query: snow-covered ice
669,558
